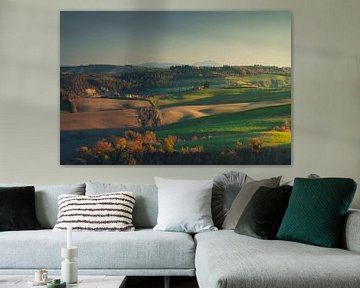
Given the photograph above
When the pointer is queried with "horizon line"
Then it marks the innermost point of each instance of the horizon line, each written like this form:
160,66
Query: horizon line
173,64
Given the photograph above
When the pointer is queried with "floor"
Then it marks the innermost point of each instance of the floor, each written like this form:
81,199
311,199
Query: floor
158,282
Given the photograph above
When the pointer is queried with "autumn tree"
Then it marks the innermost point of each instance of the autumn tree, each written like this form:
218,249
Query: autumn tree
168,144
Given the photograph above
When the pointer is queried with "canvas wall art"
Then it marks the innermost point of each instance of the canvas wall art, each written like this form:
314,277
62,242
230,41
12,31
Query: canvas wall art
175,88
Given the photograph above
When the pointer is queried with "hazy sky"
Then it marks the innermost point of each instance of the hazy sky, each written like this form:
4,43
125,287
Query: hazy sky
234,38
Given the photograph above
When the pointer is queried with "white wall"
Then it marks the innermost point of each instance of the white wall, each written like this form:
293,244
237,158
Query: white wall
326,100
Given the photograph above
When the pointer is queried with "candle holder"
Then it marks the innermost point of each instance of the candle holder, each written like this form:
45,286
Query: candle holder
69,271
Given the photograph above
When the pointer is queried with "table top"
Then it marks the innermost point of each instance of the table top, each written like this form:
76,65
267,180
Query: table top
84,281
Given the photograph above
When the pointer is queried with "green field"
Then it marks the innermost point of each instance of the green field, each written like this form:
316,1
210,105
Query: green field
222,96
256,78
219,132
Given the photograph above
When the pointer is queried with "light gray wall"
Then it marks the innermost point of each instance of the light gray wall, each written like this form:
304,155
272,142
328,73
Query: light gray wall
326,93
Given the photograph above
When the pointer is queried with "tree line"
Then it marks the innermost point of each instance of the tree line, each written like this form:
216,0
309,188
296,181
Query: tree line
74,85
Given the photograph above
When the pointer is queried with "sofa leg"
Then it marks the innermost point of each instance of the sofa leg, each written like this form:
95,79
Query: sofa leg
167,282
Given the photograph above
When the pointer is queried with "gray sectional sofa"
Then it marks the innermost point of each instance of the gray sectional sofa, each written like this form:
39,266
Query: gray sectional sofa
219,259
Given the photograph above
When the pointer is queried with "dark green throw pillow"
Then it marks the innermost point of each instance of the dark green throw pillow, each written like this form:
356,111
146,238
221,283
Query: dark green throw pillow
263,214
17,208
316,211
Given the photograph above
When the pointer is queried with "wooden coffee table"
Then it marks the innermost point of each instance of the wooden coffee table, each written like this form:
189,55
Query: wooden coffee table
83,282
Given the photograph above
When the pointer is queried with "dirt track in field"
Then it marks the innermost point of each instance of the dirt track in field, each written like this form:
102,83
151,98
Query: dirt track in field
179,113
100,113
115,114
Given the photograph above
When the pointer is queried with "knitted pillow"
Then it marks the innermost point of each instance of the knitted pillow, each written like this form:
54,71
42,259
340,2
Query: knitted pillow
105,212
317,210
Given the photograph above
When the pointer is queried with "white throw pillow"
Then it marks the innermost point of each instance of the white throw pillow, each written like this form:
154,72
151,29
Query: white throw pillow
184,205
105,212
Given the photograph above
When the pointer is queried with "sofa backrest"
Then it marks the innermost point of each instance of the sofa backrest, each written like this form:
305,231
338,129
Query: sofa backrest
46,200
146,203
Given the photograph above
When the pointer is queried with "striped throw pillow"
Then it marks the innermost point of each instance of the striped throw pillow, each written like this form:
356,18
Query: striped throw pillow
105,212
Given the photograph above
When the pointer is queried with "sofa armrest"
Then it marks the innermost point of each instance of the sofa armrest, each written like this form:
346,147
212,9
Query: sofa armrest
351,234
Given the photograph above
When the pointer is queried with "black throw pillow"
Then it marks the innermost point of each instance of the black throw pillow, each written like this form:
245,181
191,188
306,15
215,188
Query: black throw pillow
17,209
263,215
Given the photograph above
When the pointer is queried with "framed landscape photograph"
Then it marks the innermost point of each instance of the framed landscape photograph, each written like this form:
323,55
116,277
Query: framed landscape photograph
175,88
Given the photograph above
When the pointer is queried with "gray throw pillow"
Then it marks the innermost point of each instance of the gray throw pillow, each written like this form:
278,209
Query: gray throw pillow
184,205
226,187
310,176
46,200
242,199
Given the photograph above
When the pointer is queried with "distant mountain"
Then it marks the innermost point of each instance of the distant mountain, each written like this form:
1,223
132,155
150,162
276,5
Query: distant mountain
100,69
158,65
208,63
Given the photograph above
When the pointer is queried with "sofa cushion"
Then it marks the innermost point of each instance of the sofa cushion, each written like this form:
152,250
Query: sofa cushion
17,208
225,259
184,205
46,200
317,210
226,187
243,198
263,215
143,249
146,205
105,212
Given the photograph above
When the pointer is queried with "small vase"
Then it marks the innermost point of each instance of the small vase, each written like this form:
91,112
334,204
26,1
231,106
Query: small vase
69,271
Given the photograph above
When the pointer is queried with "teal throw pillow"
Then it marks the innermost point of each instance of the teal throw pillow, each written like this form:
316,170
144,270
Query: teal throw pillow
316,211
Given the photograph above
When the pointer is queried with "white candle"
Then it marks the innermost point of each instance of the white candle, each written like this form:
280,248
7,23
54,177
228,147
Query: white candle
69,237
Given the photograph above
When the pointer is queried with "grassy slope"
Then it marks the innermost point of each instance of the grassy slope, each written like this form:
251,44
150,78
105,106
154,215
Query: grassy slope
220,132
256,78
224,142
223,96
